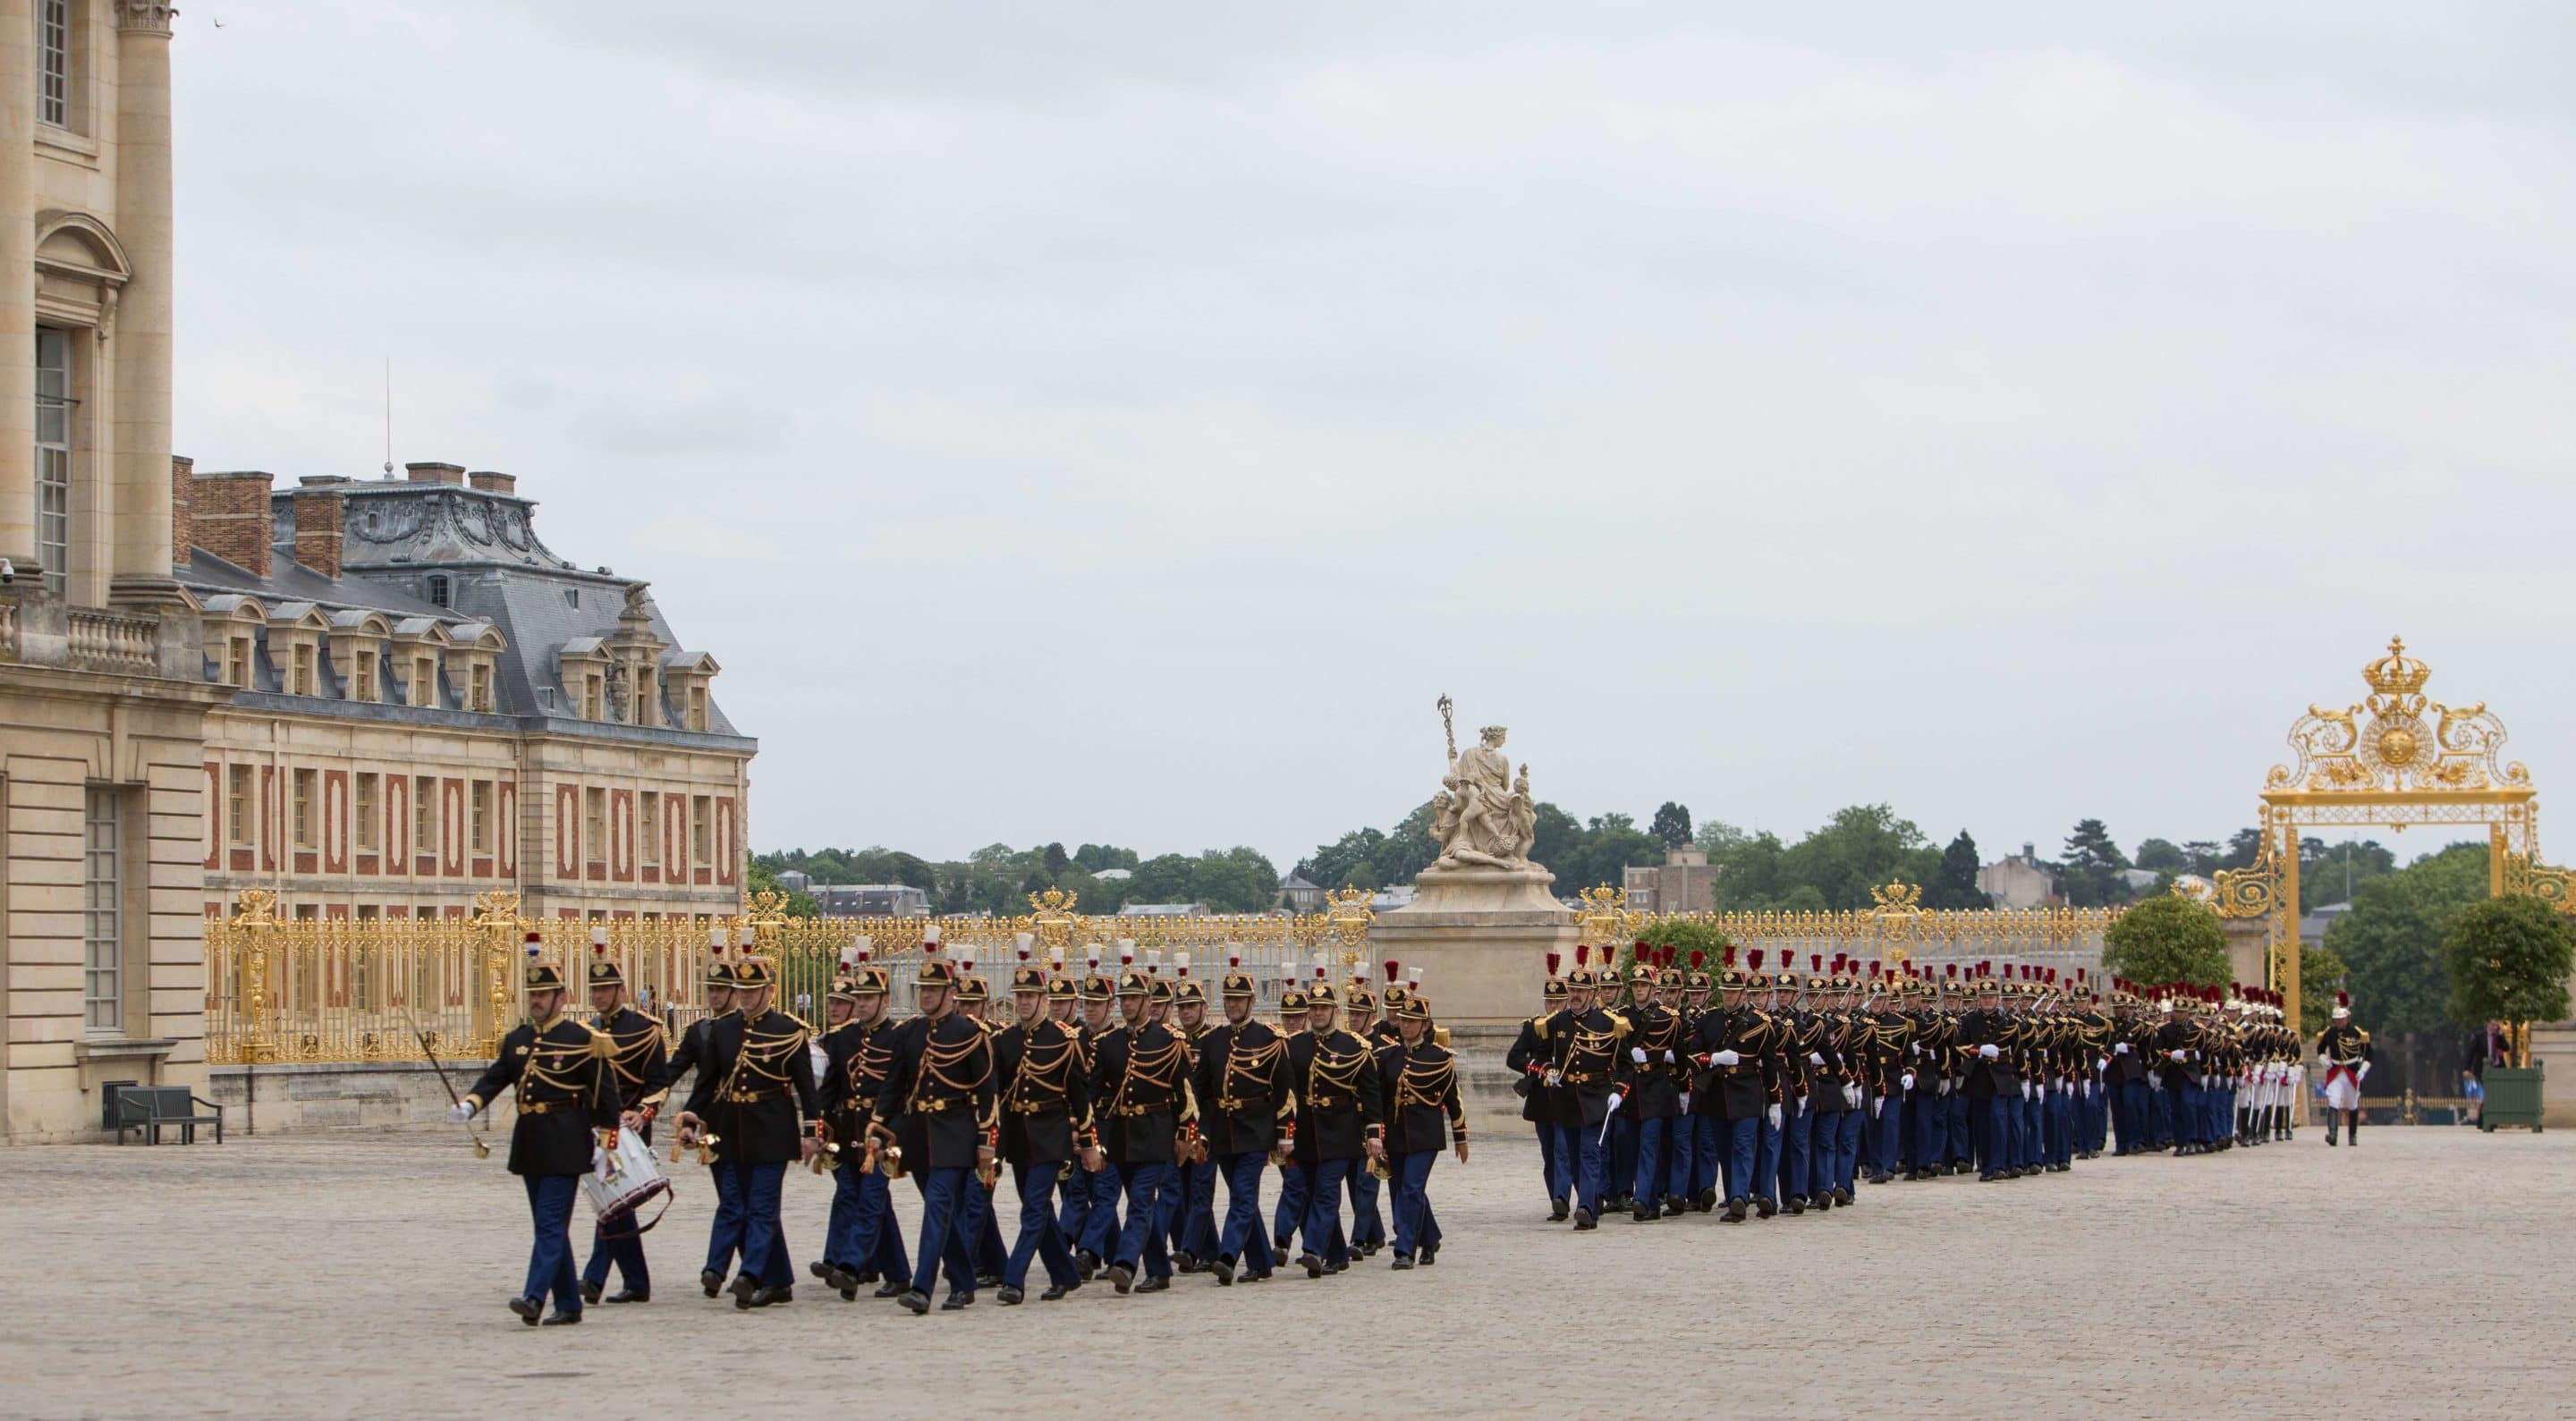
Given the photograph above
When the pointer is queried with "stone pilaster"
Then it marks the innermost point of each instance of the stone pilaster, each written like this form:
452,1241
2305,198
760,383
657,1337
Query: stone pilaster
143,317
18,290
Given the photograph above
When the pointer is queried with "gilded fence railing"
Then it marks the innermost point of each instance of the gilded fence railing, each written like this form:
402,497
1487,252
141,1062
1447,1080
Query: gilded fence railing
337,990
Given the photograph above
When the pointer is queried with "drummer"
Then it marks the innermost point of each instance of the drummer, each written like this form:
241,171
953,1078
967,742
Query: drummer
636,1041
567,1098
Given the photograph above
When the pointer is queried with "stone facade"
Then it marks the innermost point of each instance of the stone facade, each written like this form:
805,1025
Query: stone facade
1684,883
2018,880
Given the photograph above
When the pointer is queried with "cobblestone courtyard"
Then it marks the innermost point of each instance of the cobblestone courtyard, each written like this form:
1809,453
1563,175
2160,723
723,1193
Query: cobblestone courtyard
2426,1274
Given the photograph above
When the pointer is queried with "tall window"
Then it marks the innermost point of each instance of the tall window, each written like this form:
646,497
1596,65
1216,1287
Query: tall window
479,687
424,814
307,808
54,60
424,681
54,456
102,984
590,696
303,669
237,806
648,829
237,661
365,811
594,822
362,682
702,829
648,697
697,706
482,816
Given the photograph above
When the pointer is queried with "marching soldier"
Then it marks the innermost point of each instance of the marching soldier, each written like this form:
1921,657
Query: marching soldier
1591,1064
1045,1120
1368,1224
864,1242
2177,1050
1140,1079
1533,1069
1339,1122
1730,1049
1193,1231
755,1090
568,1105
1290,1216
1994,1086
636,1057
1655,1049
2345,1048
1090,1214
1703,1168
1243,1089
974,996
939,1105
1419,1079
724,1234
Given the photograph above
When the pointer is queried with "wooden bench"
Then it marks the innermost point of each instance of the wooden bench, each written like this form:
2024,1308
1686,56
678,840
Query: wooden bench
147,1108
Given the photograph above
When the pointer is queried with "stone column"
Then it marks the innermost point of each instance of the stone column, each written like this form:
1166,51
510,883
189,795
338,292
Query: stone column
18,286
141,339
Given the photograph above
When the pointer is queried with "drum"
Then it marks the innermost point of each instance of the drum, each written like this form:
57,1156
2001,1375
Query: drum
633,1181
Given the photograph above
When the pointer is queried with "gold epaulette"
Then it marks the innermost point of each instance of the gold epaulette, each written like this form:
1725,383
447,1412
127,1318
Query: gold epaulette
1619,1027
1440,1035
1539,1025
602,1045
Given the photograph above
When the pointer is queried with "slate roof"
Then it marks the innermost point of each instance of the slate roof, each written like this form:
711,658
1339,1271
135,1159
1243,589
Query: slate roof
398,534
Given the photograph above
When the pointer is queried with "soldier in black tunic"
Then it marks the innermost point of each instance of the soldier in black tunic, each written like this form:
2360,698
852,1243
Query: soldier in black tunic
1045,1120
567,1098
636,1056
1243,1090
941,1105
1140,1089
1531,1065
1418,1076
1339,1121
1731,1083
756,1093
724,1233
864,1242
1655,1050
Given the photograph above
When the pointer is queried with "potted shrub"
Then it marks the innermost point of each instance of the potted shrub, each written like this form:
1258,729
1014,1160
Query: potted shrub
2509,958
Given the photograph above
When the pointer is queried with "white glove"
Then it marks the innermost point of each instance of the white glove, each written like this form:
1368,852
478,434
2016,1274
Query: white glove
599,1161
460,1112
1906,1080
1878,1107
1772,1114
1615,1098
1686,1102
1990,1051
2102,1064
1803,1107
2177,1055
1851,1096
2364,1073
1945,1086
2122,1049
1637,1054
1726,1058
1814,1060
2025,1090
1668,1058
2204,1082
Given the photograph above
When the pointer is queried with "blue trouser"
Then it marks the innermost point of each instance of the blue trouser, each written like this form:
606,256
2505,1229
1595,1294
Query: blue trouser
990,1256
724,1235
2160,1134
2061,1134
1582,1152
1743,1149
1931,1127
946,1225
866,1237
1994,1132
1100,1232
625,1249
1651,1184
2130,1116
1797,1149
764,1245
1141,1241
1766,1158
1415,1228
1621,1175
1196,1233
1847,1133
2183,1104
1368,1226
1888,1128
1547,1161
550,1199
1955,1129
1040,1235
1561,1152
1242,1237
1708,1163
1823,1164
1291,1215
1074,1216
1323,1227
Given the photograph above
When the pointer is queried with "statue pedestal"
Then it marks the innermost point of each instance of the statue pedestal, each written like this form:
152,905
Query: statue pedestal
1481,939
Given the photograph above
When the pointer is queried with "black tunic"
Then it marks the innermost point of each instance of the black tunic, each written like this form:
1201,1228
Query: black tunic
1742,1091
1139,1091
939,1094
566,1090
1339,1101
1655,1085
1243,1086
756,1087
1421,1087
1046,1106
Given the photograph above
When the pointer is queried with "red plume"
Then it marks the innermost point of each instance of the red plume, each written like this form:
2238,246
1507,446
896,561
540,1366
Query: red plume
1755,957
1582,951
1552,960
1696,958
1391,969
1729,954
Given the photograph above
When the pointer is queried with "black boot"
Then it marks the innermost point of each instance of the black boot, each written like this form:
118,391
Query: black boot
1555,1211
2352,1128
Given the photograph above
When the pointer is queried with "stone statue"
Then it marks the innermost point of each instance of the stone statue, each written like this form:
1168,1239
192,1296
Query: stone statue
1482,816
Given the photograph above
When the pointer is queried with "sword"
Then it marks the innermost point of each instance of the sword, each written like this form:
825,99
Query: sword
481,1150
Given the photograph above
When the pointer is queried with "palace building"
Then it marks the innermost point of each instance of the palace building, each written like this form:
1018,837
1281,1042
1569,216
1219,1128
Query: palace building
373,698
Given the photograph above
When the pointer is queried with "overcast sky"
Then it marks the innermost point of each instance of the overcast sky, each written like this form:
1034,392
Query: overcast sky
1122,422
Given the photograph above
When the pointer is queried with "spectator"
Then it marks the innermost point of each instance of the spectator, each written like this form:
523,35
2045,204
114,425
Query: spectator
2486,1047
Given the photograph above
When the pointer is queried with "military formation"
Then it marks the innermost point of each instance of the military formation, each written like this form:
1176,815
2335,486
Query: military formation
1661,1089
1118,1097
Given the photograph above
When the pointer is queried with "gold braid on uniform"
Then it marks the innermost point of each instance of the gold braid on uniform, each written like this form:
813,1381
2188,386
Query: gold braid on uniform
626,1055
760,1068
1253,1065
1040,1083
1429,1084
557,1065
1333,1077
1168,1066
940,1066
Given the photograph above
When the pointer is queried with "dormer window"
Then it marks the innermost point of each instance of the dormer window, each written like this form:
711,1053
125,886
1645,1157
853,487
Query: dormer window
237,661
302,684
441,591
697,706
592,687
424,680
362,686
478,688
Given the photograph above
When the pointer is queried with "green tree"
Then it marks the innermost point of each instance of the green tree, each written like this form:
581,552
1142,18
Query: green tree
2334,875
2243,847
2390,942
2163,856
2200,856
2321,975
1955,886
2508,958
1095,857
2091,873
764,879
2167,939
1672,825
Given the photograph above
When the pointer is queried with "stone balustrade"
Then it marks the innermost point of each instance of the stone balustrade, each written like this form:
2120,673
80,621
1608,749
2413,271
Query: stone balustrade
114,643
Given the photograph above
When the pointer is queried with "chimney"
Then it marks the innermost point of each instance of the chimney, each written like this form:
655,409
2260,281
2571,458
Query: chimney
230,517
182,540
436,473
318,511
491,482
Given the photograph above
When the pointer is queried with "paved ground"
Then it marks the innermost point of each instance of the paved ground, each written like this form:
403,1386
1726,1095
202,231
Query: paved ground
2426,1274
